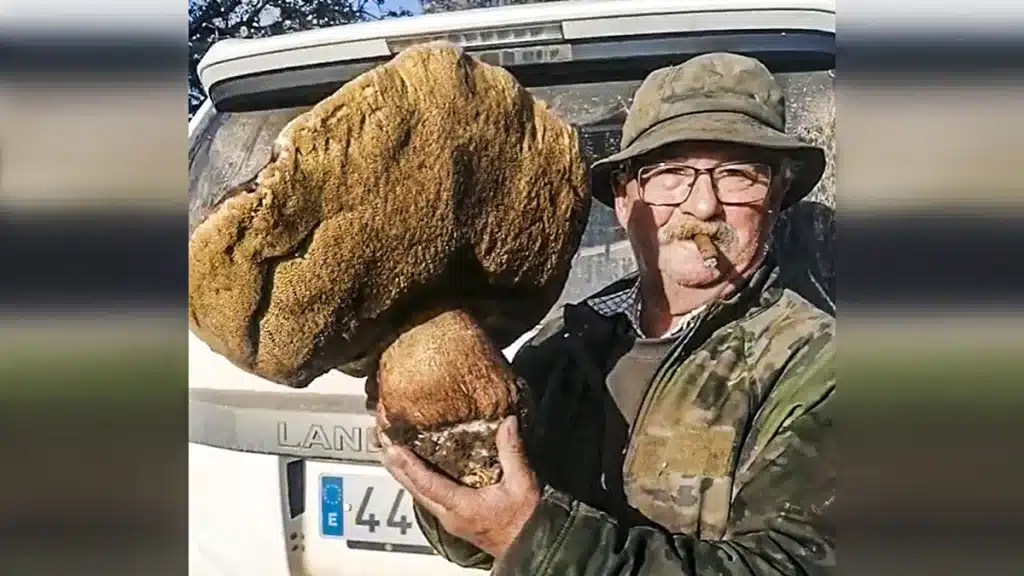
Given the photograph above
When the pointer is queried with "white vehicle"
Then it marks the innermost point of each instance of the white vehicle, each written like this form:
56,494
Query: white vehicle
287,481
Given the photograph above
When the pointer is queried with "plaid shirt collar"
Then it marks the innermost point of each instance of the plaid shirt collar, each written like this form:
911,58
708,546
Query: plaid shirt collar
628,302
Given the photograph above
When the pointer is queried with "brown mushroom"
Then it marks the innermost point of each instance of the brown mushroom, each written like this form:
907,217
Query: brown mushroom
406,229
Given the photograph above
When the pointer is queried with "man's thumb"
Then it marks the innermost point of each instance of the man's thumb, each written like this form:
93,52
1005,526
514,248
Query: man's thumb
511,454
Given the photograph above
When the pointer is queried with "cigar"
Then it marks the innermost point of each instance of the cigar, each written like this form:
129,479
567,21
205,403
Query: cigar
707,250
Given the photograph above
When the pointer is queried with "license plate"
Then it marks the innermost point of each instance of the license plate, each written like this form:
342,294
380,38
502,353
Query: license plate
373,510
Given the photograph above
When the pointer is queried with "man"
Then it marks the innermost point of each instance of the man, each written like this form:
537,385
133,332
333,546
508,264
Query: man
684,414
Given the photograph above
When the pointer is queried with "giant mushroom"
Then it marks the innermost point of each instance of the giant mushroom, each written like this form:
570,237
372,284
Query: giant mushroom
405,229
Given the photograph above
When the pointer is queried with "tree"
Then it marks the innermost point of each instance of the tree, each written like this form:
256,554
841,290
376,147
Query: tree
431,6
213,20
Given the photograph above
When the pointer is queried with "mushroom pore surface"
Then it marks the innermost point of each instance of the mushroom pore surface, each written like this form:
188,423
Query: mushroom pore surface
406,228
431,183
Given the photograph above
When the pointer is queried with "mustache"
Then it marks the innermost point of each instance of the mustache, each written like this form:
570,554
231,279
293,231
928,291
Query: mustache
720,233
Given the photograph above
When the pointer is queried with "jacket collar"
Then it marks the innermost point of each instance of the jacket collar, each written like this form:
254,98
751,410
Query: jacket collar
761,291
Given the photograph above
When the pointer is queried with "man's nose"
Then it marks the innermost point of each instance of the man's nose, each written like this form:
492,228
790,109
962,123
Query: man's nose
703,202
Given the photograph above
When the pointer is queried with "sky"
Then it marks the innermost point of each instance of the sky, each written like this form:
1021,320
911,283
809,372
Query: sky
411,5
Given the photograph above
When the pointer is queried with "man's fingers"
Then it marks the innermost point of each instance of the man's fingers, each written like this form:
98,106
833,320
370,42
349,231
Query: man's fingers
422,481
433,507
382,438
380,415
511,454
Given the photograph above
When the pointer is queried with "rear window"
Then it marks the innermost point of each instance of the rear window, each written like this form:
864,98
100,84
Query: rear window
231,148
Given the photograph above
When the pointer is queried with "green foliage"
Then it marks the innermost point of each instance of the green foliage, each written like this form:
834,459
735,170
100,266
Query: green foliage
210,21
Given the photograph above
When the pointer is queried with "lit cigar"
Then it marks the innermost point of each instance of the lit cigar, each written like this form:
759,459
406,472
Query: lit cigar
707,250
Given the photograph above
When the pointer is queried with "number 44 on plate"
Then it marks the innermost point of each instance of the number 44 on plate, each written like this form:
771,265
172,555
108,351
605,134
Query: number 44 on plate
372,509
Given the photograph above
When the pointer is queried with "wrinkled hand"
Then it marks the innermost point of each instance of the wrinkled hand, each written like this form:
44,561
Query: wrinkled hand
490,518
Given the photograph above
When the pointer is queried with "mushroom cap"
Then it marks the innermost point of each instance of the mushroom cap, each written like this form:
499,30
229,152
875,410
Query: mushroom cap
429,183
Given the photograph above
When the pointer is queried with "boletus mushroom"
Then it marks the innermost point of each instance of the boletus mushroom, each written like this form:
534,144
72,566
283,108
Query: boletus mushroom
406,229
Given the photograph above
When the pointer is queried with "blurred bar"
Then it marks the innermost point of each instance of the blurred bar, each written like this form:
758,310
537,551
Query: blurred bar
931,130
93,357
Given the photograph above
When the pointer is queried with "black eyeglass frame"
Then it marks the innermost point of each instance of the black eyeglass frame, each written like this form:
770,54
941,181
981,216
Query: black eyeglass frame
627,171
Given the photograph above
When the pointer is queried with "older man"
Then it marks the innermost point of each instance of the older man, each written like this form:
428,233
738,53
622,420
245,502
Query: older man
684,414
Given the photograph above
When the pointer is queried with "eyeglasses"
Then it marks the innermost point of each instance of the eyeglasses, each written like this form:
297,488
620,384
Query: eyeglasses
670,183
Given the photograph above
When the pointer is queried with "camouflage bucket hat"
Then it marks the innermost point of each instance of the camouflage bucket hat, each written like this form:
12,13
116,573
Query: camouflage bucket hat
718,97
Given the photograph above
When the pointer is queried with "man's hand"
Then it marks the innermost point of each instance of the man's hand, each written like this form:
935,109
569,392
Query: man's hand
490,518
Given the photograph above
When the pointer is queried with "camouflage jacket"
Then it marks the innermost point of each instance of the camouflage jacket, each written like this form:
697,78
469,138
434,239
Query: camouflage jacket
730,464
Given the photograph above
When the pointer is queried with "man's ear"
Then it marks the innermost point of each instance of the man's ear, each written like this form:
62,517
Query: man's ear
780,185
623,206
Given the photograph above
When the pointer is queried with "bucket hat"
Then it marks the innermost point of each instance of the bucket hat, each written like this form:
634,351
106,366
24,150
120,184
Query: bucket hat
716,97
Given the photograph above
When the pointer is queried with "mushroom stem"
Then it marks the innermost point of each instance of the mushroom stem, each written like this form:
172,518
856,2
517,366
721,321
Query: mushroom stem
443,390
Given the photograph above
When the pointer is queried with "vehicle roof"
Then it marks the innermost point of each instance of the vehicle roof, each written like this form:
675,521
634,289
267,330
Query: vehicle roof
577,20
